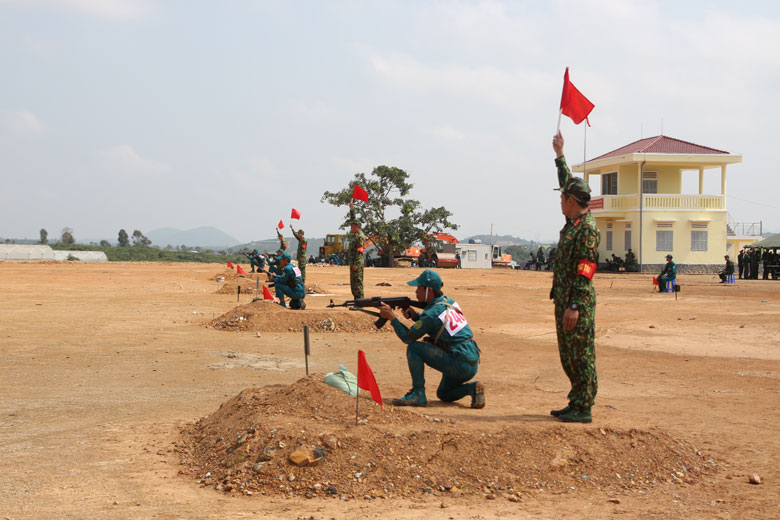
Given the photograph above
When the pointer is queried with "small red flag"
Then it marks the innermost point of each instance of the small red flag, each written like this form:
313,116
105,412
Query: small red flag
230,265
573,103
281,225
267,294
295,214
655,281
359,193
239,270
366,379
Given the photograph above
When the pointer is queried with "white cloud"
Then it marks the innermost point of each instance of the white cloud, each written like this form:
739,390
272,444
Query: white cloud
22,123
124,159
111,9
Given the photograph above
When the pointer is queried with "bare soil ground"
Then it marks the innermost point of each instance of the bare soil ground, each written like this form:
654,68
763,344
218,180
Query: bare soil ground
119,395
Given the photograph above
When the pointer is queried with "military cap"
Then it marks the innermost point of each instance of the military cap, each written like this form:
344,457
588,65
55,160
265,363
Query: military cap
669,256
576,188
279,252
427,279
285,256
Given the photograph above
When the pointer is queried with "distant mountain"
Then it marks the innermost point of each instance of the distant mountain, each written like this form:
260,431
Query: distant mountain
502,240
205,237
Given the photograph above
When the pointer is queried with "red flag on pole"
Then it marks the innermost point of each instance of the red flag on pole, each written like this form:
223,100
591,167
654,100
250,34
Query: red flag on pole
267,294
366,379
230,265
573,103
359,193
281,225
295,214
239,270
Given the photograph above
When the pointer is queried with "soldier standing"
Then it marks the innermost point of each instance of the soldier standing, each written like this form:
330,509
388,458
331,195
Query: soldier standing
755,256
741,262
301,253
573,293
282,241
631,266
356,241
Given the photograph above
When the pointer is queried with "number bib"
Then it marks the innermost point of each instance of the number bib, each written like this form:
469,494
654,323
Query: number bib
456,320
296,271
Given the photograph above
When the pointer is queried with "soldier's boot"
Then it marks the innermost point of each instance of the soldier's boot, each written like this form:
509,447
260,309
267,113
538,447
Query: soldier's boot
478,399
303,304
577,415
412,398
564,410
282,303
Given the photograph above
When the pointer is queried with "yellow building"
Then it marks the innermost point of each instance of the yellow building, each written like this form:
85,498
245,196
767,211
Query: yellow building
642,206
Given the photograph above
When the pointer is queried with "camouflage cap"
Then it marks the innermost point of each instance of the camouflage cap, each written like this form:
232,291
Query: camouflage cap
576,188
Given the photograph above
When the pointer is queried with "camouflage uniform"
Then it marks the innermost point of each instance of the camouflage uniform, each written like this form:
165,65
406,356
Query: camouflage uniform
579,241
282,241
301,253
356,260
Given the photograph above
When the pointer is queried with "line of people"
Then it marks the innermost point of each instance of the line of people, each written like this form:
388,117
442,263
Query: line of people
750,261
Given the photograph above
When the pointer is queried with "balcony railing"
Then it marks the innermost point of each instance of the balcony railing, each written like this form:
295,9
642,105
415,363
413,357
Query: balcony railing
659,201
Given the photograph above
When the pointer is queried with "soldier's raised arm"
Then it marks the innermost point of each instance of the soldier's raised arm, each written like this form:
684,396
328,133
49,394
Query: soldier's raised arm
564,174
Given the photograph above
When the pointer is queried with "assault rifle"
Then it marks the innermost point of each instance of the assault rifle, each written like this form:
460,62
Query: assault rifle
396,302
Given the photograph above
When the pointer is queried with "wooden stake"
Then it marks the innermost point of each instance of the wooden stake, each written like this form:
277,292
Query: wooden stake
306,350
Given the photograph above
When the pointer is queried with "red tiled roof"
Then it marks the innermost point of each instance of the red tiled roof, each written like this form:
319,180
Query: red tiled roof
660,144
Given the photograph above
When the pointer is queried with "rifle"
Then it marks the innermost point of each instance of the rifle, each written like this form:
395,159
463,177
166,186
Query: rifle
396,302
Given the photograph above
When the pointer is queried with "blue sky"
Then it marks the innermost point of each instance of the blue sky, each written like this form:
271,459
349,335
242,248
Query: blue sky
141,114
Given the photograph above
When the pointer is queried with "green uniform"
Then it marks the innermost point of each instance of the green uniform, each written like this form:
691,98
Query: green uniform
289,283
273,265
301,253
575,257
668,274
282,241
356,260
630,264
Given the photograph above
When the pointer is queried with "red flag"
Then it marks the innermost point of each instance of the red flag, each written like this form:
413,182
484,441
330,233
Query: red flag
230,265
267,294
573,103
239,270
655,281
295,214
359,193
366,379
281,225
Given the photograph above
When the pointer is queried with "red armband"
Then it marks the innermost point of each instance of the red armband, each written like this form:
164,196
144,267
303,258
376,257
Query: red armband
303,246
586,268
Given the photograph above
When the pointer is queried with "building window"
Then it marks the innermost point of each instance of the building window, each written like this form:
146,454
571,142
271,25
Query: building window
472,256
628,240
698,240
650,182
609,240
609,183
664,240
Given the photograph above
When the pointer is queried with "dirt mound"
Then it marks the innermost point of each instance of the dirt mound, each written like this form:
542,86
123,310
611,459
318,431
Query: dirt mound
244,448
230,274
266,316
248,286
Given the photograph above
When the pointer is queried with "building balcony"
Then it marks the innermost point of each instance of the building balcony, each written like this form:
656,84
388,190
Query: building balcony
658,201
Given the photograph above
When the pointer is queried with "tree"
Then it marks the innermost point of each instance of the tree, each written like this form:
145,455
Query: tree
140,240
44,236
67,237
123,239
388,189
105,243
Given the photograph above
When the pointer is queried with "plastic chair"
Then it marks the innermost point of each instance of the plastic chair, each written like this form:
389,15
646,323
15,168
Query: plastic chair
730,278
670,285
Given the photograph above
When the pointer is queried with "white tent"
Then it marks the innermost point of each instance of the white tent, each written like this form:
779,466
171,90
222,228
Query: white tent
27,252
84,256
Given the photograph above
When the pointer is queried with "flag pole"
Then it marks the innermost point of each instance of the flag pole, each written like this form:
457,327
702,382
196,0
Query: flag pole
558,128
584,150
357,394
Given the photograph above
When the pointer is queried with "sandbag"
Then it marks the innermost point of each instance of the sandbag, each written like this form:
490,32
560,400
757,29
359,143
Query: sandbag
344,380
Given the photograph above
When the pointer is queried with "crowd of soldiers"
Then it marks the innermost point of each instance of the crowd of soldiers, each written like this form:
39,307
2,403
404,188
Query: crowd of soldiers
617,264
751,260
539,262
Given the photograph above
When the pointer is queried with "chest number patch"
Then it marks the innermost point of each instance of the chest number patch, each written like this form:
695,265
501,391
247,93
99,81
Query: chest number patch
454,319
296,271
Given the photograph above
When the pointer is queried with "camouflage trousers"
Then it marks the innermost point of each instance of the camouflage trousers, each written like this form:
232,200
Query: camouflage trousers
302,267
578,355
356,281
